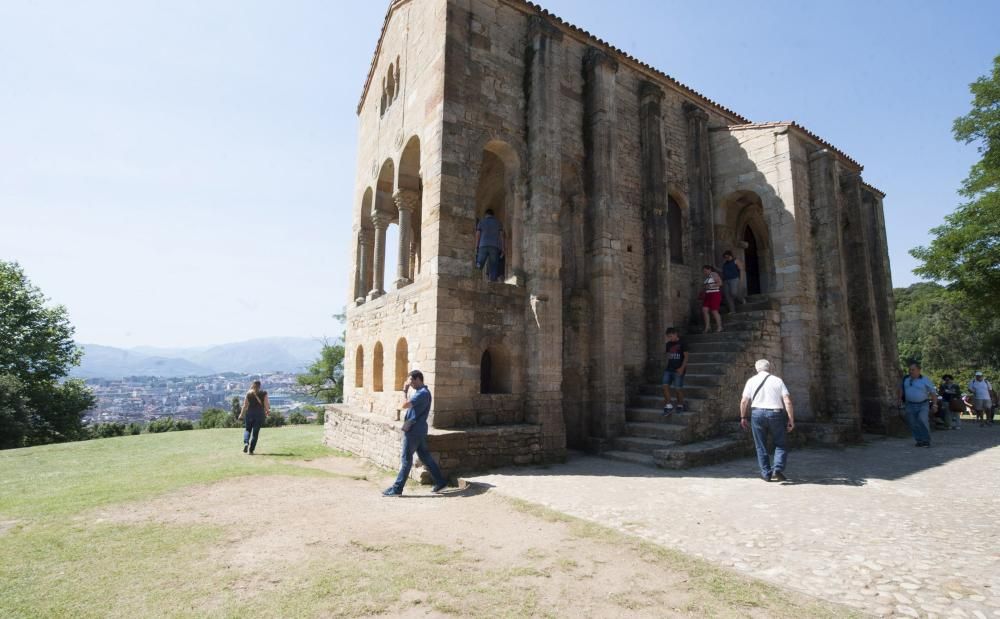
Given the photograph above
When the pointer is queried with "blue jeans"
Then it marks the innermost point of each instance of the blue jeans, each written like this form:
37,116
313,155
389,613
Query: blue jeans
490,258
414,442
916,417
762,421
672,378
252,424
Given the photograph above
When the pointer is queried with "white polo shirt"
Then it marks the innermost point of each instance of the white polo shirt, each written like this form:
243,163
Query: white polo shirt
771,394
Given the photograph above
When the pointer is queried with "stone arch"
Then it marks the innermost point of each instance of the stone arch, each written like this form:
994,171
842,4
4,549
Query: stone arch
365,247
495,371
498,189
384,214
402,365
746,233
377,367
359,367
410,179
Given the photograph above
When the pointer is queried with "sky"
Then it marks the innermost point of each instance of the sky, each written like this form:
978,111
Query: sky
181,173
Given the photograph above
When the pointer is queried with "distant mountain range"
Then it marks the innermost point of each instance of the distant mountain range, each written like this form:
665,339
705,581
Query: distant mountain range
272,354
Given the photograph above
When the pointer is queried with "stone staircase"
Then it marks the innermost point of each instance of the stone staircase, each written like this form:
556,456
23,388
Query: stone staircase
718,366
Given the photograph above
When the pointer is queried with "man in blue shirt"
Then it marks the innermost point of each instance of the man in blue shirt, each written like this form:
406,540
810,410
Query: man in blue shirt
489,245
917,392
418,407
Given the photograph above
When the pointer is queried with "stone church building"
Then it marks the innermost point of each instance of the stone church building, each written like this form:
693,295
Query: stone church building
614,184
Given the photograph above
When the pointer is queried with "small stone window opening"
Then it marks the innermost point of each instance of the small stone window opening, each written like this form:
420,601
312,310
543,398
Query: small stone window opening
359,367
377,368
402,364
494,371
675,231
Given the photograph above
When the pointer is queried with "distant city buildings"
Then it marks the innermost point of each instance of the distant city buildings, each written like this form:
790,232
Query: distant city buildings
143,398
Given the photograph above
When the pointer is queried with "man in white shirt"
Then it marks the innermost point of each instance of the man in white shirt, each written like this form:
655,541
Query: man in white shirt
982,401
764,404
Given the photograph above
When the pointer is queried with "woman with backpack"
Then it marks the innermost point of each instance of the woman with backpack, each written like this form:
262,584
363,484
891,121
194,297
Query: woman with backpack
256,407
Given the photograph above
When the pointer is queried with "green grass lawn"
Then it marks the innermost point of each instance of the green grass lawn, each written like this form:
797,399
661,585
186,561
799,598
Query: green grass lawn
55,565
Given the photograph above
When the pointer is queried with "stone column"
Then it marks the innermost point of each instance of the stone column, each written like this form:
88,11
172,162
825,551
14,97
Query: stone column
364,265
700,203
885,304
656,258
861,303
541,241
380,221
835,392
604,247
406,202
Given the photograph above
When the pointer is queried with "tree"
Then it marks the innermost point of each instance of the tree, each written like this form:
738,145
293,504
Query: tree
37,350
965,253
935,327
325,377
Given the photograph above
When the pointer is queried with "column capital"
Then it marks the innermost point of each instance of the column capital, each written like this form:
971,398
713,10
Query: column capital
694,112
595,58
406,200
380,220
649,91
539,25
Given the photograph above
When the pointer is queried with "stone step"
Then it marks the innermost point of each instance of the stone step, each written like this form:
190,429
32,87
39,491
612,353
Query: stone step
720,346
699,357
641,445
661,431
655,401
725,336
692,392
753,306
702,453
707,376
654,415
630,456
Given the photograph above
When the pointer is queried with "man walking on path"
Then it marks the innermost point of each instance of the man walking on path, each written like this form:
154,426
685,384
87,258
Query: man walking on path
417,408
982,400
917,392
673,375
489,245
765,402
732,270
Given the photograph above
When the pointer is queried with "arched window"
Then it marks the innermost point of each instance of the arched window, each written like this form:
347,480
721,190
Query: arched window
390,85
675,231
359,367
377,368
494,371
402,363
495,191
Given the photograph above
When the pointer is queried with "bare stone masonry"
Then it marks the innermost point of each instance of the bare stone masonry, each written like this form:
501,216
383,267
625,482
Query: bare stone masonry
614,184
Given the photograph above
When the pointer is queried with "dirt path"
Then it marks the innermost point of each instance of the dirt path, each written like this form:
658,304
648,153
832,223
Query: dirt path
467,552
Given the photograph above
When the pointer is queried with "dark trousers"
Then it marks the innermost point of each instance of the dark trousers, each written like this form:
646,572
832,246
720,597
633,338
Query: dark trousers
416,443
251,428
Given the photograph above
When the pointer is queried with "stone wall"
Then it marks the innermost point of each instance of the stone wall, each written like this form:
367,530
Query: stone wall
456,451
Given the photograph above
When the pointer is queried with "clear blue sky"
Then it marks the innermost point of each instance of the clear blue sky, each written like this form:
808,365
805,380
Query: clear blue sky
181,173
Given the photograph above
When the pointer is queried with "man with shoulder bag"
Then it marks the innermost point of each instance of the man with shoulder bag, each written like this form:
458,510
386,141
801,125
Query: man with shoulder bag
767,406
417,407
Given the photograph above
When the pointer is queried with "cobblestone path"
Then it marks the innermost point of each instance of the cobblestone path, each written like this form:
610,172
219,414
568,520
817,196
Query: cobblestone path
887,528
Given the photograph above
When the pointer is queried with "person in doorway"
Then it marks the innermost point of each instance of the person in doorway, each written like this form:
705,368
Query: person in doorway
489,245
673,375
951,395
711,297
418,407
982,401
732,274
918,397
767,408
256,407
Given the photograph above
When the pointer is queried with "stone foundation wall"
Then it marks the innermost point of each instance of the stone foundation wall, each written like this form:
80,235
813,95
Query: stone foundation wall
457,452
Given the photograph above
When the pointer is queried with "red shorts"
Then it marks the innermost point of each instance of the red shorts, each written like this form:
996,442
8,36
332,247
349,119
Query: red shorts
712,300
